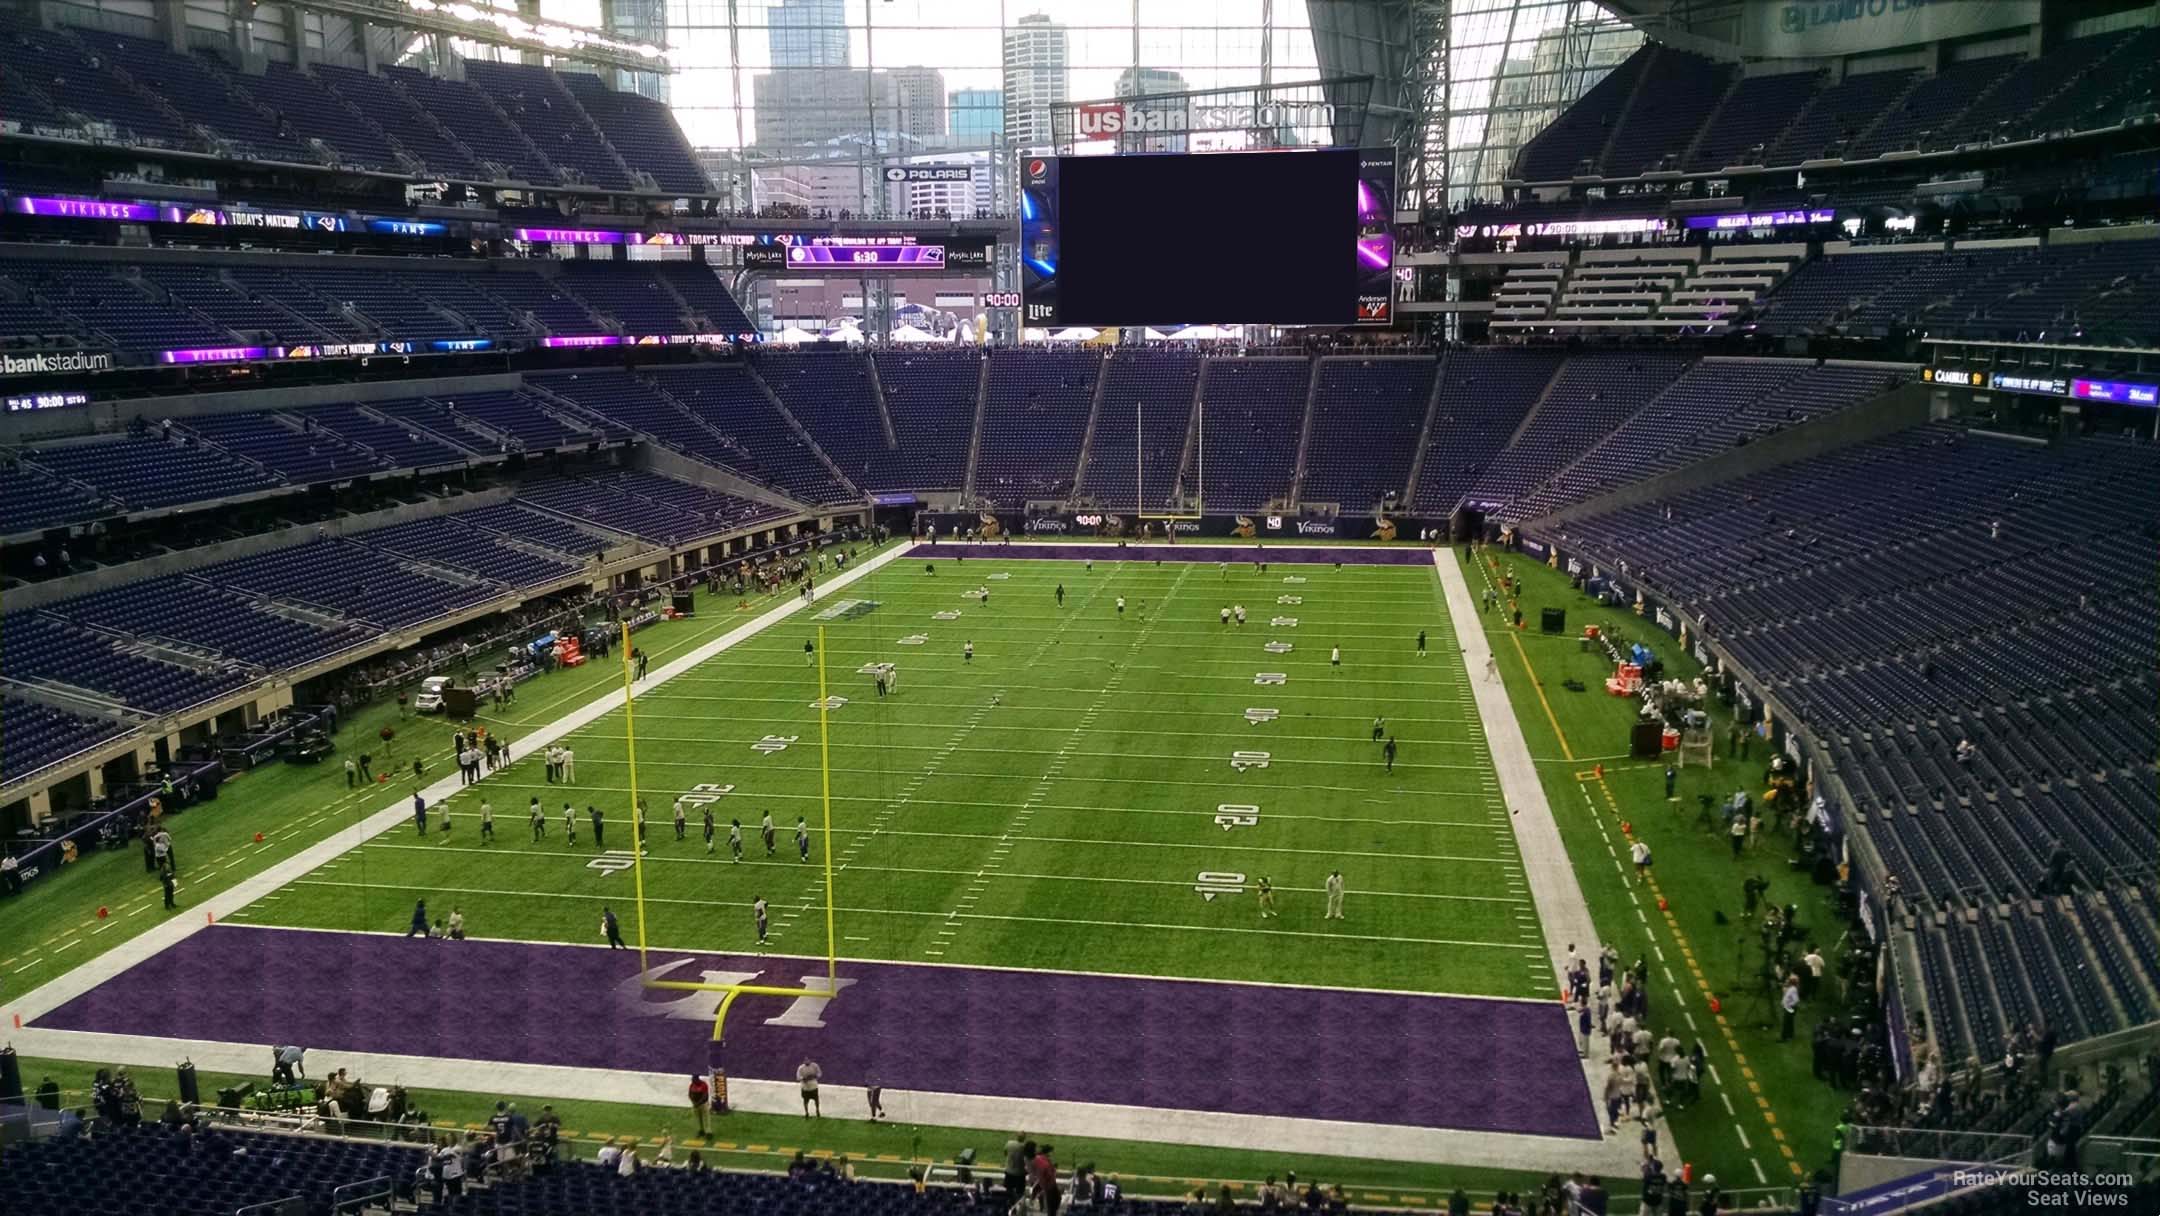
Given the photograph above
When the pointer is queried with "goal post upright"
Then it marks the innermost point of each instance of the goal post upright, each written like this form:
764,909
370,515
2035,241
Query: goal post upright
1198,498
637,842
728,992
832,954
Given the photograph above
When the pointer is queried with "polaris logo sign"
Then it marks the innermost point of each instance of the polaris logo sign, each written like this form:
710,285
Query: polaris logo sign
1108,119
930,173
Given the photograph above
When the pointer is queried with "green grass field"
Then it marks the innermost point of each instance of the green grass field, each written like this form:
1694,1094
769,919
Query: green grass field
1054,802
1183,693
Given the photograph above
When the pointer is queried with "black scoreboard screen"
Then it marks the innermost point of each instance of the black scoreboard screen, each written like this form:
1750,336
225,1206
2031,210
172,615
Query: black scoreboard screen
1229,238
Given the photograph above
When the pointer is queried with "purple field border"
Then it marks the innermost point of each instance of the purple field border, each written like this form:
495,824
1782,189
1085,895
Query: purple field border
1402,1059
1192,551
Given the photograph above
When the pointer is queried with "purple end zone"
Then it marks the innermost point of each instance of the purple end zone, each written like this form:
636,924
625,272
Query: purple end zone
1314,1053
1194,551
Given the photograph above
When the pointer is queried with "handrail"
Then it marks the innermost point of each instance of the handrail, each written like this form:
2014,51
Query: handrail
382,1187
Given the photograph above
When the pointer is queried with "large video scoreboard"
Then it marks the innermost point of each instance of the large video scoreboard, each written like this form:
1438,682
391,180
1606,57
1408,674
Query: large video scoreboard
1300,237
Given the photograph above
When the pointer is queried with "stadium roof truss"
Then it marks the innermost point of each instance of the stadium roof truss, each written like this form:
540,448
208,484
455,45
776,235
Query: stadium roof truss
498,27
1401,47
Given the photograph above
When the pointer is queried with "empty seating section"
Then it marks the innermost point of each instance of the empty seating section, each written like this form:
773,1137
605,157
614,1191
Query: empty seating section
517,417
41,649
544,301
299,456
1251,411
30,500
58,66
314,112
205,1174
38,736
1744,127
198,93
162,305
1580,131
203,290
2114,93
2107,289
1592,394
1839,114
1152,392
759,442
930,398
2007,111
470,118
642,505
700,287
289,288
146,473
1033,420
1366,417
536,102
624,400
394,113
1813,393
402,445
347,578
398,311
447,540
629,293
119,312
1664,103
1923,120
535,527
1484,395
1703,395
1665,116
643,132
830,394
529,122
194,610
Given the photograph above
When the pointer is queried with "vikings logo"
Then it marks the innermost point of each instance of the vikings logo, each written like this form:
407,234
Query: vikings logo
1244,526
1383,529
990,524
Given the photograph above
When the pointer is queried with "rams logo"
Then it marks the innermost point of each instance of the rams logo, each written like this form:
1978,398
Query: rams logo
1244,527
990,525
1383,529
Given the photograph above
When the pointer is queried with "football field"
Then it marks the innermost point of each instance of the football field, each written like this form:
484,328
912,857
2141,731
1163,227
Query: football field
1093,790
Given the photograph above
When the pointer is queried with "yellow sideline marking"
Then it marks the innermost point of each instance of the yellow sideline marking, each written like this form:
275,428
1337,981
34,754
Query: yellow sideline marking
1538,686
1702,982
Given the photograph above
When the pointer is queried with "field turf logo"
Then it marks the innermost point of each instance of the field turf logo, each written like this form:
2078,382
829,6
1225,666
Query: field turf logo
847,610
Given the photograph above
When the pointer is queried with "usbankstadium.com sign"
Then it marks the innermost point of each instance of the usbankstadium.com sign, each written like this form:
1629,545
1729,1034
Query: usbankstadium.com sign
1103,120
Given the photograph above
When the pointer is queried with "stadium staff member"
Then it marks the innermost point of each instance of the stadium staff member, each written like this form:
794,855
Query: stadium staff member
700,1099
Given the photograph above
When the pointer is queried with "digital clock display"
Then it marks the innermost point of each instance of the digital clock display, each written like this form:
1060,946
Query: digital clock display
932,256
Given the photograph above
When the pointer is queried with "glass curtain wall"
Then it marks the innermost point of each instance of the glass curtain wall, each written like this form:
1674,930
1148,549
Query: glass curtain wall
1515,65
